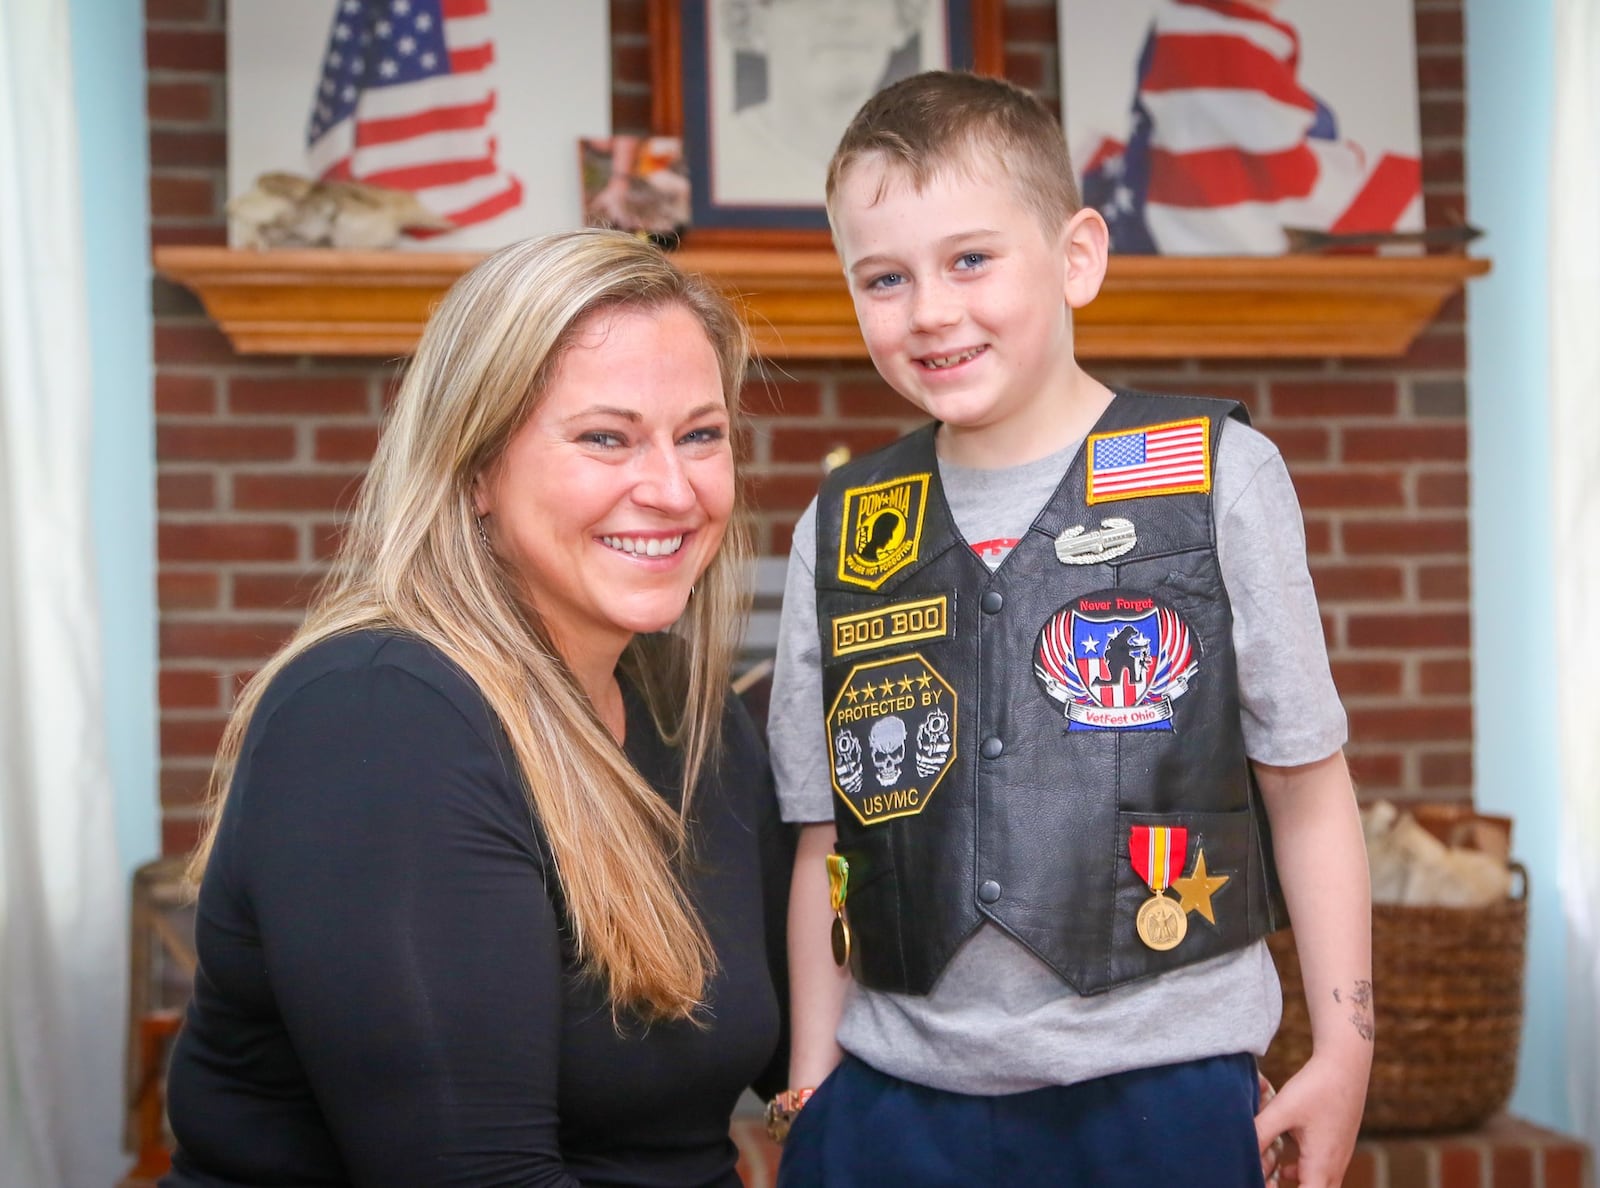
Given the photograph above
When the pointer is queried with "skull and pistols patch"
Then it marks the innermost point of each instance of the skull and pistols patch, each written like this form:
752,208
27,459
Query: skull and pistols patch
892,737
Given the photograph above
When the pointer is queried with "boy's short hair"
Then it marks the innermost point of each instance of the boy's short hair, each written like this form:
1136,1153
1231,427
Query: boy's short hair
945,119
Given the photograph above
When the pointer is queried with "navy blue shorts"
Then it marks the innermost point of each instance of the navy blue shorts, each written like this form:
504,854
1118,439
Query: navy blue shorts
1184,1125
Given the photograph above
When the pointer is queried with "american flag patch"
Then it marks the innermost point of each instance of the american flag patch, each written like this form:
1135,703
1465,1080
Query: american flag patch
1166,459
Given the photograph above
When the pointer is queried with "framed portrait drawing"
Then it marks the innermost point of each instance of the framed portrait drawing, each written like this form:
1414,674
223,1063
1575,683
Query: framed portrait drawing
1243,127
761,90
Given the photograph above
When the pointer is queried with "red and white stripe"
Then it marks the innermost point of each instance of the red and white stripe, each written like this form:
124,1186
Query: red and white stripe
1096,672
1157,852
431,137
1231,162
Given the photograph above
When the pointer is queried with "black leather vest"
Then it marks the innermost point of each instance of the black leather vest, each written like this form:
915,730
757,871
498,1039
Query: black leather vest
1010,746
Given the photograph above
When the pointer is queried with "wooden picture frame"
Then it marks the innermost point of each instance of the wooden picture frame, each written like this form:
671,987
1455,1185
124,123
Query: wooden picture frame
693,100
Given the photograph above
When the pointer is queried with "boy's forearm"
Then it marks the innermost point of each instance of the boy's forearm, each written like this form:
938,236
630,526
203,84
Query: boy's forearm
1322,862
816,985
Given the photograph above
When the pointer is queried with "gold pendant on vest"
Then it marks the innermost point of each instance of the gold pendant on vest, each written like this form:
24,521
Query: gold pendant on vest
1161,923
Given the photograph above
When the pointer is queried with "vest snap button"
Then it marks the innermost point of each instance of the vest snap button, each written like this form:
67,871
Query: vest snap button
992,601
989,891
992,747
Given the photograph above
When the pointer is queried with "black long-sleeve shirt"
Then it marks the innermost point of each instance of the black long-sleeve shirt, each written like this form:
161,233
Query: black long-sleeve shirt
386,994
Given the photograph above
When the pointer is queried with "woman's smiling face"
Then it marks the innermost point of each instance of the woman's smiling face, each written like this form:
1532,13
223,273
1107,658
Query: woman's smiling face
612,498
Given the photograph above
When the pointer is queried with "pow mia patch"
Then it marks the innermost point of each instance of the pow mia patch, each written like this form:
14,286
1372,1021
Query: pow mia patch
892,737
897,623
1116,660
881,530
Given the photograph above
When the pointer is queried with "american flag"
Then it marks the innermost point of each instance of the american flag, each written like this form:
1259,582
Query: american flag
1156,460
405,101
1227,148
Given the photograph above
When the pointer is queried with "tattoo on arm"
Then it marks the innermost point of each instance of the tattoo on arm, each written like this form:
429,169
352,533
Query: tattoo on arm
1360,1008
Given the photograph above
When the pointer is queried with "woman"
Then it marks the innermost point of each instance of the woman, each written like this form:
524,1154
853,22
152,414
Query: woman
493,889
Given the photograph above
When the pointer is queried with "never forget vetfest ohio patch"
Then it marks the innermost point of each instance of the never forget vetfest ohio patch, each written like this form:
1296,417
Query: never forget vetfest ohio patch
892,737
1116,660
881,530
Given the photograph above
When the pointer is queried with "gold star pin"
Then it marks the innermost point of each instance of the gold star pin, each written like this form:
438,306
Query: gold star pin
1195,891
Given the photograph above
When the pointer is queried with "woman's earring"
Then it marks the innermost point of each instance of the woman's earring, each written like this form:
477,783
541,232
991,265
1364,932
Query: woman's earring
483,535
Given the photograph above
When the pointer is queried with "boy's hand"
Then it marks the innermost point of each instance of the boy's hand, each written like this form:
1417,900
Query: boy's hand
1319,1108
1272,1153
1316,832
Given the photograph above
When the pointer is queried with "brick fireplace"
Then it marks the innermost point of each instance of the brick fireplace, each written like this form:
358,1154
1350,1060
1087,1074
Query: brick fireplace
257,457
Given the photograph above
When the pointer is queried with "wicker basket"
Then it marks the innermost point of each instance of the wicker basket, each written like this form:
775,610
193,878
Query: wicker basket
1448,1007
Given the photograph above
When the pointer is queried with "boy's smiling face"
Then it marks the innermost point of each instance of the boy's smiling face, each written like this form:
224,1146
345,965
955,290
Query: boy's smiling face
964,301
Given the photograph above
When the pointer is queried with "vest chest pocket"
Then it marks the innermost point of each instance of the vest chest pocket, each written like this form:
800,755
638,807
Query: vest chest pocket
1184,882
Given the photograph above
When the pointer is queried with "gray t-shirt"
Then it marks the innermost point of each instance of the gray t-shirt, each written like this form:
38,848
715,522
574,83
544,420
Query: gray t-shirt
999,1020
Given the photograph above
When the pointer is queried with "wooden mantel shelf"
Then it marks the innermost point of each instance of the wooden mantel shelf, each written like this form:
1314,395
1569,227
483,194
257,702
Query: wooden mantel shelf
375,303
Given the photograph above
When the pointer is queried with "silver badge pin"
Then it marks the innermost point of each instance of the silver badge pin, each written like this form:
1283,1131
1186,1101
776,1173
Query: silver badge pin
1113,538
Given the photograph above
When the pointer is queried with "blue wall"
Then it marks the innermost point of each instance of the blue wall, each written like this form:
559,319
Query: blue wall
108,82
1510,54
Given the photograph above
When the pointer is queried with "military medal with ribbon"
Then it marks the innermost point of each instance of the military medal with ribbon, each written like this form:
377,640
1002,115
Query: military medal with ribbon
838,889
1157,852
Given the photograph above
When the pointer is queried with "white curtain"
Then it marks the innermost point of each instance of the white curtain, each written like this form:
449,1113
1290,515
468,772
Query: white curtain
1575,473
62,913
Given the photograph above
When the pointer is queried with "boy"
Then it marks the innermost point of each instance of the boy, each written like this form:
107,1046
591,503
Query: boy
1068,668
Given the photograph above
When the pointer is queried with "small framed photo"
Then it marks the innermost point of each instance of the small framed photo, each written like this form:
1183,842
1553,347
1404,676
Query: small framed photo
635,183
761,90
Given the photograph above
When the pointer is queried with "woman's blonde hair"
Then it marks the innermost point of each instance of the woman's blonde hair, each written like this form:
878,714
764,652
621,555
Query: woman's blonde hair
411,560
